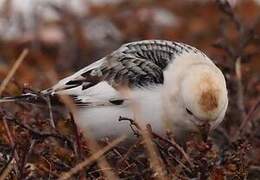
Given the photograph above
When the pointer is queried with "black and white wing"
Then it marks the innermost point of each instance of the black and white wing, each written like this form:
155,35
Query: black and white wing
135,65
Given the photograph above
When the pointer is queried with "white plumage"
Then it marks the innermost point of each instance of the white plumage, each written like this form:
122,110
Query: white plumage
167,84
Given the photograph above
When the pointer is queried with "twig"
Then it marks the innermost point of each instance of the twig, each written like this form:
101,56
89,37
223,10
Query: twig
49,170
50,112
149,145
91,159
77,145
161,151
255,167
180,163
155,161
177,146
136,144
102,162
5,171
172,142
10,138
226,8
173,156
26,156
100,170
39,166
240,88
132,125
9,167
126,168
77,135
247,119
13,70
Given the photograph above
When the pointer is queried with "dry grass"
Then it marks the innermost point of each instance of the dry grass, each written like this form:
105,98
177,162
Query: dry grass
94,157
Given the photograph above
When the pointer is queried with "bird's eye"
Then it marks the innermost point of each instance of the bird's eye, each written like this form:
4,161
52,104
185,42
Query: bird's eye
189,112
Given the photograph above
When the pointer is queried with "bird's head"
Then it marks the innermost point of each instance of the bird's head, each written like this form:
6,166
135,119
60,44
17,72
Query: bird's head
204,94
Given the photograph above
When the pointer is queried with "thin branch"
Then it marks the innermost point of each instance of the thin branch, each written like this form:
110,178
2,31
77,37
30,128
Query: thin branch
77,136
7,170
226,8
26,155
240,88
133,125
130,150
247,119
13,70
173,143
50,112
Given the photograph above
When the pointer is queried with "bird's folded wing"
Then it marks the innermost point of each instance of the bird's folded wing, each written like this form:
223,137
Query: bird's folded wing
133,65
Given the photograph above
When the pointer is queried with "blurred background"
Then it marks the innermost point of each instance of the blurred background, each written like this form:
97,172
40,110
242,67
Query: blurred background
63,36
71,34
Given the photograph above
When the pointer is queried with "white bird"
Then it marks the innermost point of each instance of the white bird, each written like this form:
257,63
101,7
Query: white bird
174,86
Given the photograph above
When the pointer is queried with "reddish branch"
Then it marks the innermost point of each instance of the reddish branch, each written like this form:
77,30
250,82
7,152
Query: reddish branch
154,135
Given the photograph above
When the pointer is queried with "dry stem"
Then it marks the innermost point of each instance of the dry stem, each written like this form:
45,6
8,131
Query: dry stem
91,159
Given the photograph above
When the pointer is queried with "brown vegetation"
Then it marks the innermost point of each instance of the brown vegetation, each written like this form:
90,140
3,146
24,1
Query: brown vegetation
34,144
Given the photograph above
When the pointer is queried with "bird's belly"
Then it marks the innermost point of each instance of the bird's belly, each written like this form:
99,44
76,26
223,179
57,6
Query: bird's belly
103,121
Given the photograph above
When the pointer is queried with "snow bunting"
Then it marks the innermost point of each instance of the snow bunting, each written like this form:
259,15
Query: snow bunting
171,83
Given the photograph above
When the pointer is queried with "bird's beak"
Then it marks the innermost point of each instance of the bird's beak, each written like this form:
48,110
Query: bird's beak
203,127
204,130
